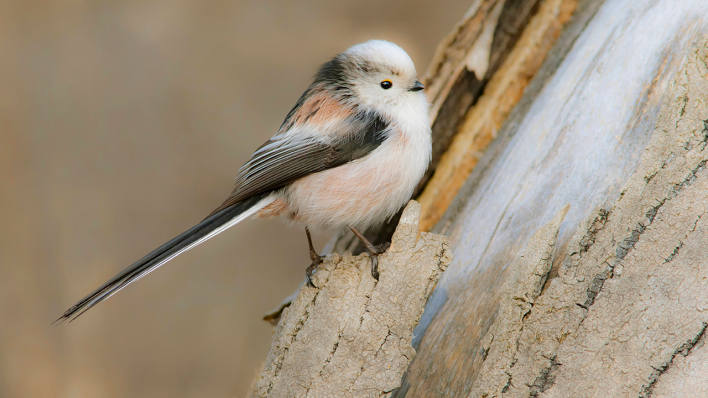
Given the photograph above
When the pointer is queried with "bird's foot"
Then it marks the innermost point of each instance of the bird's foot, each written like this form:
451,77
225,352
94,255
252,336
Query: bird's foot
312,270
374,251
374,265
316,260
383,247
374,256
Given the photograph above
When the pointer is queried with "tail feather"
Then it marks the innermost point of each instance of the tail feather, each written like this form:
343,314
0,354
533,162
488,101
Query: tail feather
206,229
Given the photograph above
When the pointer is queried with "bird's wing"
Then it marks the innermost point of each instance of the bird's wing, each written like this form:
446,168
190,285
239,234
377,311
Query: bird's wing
293,155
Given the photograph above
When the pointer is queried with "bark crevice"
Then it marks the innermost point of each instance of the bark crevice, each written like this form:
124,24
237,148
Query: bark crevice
684,350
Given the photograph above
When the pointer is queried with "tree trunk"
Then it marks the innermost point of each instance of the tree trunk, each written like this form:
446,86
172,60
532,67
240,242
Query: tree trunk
614,124
570,175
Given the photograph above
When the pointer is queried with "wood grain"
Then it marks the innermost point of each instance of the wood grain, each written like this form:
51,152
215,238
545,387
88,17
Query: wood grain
485,118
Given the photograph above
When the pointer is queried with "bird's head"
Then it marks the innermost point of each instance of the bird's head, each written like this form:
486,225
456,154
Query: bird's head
377,75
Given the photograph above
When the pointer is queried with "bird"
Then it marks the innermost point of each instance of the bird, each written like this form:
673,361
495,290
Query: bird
347,156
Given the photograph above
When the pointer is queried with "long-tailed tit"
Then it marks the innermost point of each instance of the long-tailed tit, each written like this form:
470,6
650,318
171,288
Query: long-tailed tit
348,155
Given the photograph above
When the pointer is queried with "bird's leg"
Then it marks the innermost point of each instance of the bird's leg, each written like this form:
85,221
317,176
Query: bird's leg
316,260
374,252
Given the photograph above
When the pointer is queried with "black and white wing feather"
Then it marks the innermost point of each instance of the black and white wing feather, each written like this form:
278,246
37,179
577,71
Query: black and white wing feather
288,157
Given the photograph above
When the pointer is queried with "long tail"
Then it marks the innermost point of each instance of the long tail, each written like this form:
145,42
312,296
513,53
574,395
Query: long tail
208,228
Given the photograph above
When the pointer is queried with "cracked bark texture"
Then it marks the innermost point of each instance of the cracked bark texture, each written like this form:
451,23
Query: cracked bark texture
351,336
631,297
612,300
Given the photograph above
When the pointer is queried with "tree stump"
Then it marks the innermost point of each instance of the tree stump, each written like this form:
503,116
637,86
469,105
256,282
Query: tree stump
351,336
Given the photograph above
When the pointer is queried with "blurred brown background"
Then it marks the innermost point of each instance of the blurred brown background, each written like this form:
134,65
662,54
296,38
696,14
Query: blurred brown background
122,123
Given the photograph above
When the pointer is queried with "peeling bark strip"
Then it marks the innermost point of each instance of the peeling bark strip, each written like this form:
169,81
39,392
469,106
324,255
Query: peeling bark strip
480,124
351,337
467,58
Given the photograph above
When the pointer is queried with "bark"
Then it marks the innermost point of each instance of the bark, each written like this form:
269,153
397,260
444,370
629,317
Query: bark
351,336
631,296
615,125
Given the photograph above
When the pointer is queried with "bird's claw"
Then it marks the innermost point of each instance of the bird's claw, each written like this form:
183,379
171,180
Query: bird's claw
374,265
312,269
381,249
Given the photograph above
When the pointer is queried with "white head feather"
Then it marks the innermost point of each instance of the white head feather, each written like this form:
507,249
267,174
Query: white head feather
373,62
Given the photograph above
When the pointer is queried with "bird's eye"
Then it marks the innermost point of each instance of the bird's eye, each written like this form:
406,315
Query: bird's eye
386,84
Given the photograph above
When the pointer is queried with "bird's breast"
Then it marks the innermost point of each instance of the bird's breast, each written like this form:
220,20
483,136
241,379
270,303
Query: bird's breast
363,192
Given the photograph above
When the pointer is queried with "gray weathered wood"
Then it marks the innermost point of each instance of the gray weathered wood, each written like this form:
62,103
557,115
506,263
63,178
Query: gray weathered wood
625,299
351,337
632,295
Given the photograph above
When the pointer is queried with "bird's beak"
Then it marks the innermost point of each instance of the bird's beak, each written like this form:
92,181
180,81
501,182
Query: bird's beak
417,86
